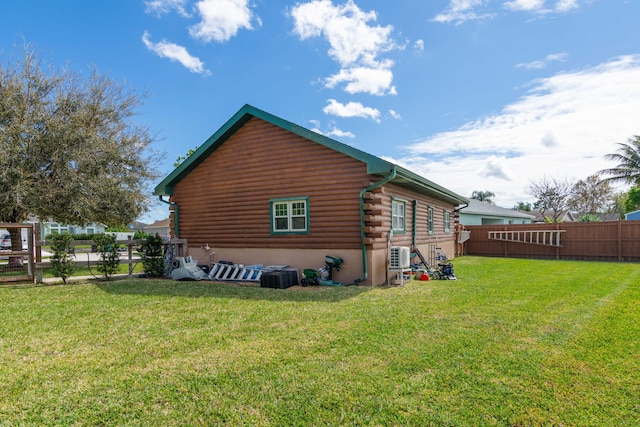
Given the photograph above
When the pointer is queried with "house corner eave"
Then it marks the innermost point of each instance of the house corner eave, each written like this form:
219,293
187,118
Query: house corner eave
422,185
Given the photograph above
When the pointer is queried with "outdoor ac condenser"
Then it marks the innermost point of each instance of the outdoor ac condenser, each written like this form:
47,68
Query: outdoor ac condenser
186,269
399,257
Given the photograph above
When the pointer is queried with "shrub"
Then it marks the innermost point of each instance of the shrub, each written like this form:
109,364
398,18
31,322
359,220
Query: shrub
153,256
589,218
62,260
140,235
107,246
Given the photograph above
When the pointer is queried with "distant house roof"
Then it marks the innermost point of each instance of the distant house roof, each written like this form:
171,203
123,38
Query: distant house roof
564,216
609,217
137,225
375,165
159,224
478,207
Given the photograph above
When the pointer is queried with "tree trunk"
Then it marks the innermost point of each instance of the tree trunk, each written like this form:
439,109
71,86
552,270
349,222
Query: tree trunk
16,245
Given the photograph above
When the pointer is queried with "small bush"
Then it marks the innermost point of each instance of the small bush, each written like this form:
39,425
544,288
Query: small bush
141,235
107,246
63,258
153,256
589,218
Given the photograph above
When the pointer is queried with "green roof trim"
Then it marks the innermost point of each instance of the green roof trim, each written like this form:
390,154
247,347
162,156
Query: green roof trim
375,165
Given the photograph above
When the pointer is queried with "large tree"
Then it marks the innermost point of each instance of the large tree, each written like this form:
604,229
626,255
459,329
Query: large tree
71,149
590,196
552,195
632,200
628,158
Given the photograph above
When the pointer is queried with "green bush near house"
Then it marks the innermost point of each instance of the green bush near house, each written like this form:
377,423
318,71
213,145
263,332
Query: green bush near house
510,343
63,256
107,246
153,256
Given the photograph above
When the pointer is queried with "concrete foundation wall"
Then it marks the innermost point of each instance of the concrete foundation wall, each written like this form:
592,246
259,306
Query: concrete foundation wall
350,270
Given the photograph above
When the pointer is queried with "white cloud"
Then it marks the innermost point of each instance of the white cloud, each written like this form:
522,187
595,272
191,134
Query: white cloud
351,109
161,7
354,43
460,11
222,19
496,167
175,52
548,140
395,114
566,5
334,132
540,64
542,6
419,45
562,127
525,5
374,81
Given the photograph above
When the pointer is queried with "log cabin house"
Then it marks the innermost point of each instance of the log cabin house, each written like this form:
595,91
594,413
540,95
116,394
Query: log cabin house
262,190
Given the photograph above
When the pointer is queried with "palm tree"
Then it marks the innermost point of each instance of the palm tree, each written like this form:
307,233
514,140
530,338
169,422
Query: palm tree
483,196
628,158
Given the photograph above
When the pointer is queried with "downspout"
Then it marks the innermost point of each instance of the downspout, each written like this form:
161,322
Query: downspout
457,210
365,269
176,218
414,223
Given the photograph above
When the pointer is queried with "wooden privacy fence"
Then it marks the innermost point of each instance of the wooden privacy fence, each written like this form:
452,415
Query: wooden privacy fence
601,241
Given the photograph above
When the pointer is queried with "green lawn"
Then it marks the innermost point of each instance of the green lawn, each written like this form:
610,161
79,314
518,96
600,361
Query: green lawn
510,343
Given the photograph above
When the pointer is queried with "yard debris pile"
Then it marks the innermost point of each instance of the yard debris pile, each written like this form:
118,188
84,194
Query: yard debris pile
279,276
443,269
185,268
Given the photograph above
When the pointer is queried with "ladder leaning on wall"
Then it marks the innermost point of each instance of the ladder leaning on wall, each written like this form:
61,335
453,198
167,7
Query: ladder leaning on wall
532,237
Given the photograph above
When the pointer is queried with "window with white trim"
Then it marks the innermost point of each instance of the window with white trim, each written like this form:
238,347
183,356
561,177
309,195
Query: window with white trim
430,219
447,221
290,215
398,215
55,228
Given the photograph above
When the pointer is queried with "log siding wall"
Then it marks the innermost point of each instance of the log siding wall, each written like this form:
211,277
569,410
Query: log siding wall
225,201
386,194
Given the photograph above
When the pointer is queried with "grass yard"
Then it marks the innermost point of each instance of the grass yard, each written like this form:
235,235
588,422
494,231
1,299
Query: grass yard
510,343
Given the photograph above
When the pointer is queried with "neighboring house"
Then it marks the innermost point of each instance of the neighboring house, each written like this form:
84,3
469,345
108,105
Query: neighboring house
262,190
162,228
632,216
50,227
565,216
137,226
605,217
482,213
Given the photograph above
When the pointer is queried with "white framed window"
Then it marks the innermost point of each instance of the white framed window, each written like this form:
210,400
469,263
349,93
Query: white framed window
430,228
398,215
55,228
290,216
447,221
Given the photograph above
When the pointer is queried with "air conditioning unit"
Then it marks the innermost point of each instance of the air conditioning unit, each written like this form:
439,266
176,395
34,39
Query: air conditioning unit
186,268
399,257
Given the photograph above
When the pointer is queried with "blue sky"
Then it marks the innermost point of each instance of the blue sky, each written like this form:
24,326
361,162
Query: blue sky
472,94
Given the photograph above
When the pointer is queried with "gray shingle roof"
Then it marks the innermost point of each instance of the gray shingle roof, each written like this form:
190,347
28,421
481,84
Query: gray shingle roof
481,208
